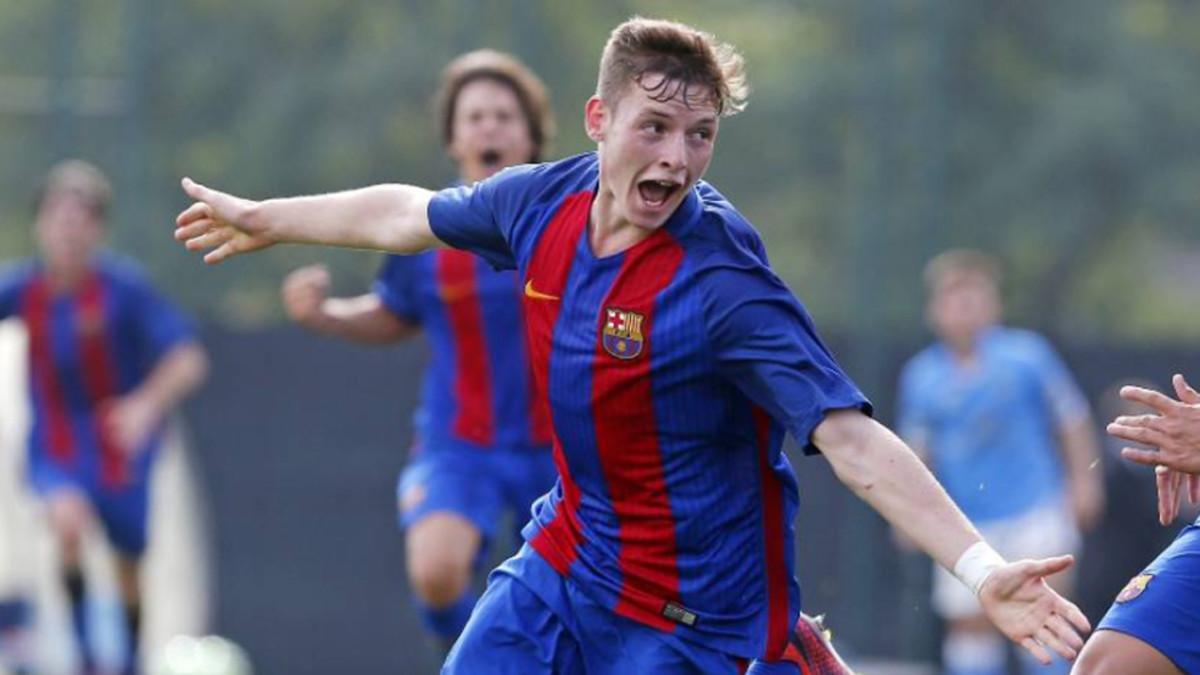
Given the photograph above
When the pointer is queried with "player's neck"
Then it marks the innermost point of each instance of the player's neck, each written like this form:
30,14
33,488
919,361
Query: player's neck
63,280
608,232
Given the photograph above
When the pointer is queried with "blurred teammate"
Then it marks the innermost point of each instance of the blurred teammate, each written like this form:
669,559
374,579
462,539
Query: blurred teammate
481,447
109,359
1153,627
1007,432
674,361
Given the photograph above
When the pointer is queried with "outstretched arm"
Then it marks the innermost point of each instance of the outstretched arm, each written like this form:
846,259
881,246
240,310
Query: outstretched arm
363,319
381,217
886,474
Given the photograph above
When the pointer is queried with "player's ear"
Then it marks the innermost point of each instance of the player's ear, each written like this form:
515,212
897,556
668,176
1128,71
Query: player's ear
595,118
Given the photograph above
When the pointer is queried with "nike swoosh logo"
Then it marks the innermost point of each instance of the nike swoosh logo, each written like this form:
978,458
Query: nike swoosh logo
531,293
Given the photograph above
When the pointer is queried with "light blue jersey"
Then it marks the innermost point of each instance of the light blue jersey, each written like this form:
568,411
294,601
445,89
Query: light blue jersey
991,427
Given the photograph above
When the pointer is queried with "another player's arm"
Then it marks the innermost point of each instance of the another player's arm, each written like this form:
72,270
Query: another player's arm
177,373
885,473
363,319
381,217
1081,456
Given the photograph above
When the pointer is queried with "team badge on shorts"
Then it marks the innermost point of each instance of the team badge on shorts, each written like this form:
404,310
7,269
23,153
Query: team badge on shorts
623,333
1135,587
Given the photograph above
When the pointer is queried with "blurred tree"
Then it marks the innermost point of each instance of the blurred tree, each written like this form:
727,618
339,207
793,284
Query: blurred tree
1062,135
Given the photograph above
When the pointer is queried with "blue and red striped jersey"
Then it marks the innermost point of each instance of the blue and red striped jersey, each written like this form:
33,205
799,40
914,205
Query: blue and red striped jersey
477,388
86,348
672,371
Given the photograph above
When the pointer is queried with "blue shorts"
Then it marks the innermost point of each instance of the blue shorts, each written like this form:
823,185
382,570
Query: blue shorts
557,629
477,484
1161,606
122,511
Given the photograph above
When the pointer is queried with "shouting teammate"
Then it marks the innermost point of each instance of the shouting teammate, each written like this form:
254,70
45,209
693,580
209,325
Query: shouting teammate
482,448
674,361
109,359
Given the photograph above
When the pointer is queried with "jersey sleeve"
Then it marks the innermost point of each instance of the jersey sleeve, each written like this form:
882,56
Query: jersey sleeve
395,286
483,218
160,323
11,282
766,345
1062,394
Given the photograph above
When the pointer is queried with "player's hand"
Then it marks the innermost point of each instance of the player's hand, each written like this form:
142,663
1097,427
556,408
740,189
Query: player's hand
130,420
1174,432
219,221
1017,600
1172,485
304,292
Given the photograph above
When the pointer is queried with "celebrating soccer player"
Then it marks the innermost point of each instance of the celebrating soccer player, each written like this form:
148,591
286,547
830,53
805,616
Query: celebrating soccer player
483,439
109,359
674,361
1153,628
1008,432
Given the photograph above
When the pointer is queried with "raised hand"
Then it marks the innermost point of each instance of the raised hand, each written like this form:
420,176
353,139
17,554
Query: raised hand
219,221
1017,600
304,291
1174,432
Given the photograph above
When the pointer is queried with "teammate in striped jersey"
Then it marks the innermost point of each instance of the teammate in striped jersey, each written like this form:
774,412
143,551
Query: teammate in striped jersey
1153,627
483,439
674,361
109,359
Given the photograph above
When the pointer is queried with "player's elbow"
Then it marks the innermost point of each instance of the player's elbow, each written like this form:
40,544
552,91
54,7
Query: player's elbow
845,438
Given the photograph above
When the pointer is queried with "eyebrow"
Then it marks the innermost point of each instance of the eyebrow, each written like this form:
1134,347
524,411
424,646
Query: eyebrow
710,120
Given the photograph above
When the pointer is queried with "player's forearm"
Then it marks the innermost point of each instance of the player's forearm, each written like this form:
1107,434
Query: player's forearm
885,473
1080,450
362,319
178,373
381,217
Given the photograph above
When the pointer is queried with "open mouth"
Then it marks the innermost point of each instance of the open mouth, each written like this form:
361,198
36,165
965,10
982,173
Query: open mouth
657,192
490,158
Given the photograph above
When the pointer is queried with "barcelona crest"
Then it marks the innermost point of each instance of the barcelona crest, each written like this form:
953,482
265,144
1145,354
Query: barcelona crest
623,333
1135,587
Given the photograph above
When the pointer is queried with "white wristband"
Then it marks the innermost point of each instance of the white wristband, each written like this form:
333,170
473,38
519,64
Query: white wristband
976,564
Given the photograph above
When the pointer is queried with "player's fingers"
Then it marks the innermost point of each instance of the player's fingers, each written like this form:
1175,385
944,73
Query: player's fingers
1141,456
1159,401
1051,641
199,192
1065,632
193,212
1193,483
208,240
194,229
1050,566
1032,646
1184,391
220,253
1136,420
1074,616
1137,434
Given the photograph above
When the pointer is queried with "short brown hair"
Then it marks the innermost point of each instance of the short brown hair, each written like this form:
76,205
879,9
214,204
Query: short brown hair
683,55
489,64
81,179
958,263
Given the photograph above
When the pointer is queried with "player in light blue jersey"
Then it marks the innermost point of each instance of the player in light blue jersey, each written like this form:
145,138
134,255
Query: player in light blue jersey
1153,627
1007,432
